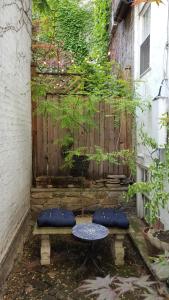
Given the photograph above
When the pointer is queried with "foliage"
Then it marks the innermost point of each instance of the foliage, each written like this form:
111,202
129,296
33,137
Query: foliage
73,27
41,5
100,29
125,157
114,288
137,2
66,24
78,28
161,259
82,32
92,84
158,176
94,81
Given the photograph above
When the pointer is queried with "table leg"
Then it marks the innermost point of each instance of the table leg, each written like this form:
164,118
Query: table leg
45,250
91,256
119,249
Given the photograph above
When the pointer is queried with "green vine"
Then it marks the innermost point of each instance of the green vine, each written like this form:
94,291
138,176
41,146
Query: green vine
81,30
100,30
66,24
94,82
125,156
158,173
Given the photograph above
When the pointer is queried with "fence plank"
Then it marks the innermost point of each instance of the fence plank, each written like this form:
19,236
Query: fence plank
106,135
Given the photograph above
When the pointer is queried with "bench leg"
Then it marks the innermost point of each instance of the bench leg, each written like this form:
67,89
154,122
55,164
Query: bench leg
119,249
45,250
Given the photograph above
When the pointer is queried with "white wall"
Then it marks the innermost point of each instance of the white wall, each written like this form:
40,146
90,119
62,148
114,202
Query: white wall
149,84
15,117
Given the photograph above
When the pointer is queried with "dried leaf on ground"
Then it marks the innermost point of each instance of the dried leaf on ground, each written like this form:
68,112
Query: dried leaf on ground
105,294
95,284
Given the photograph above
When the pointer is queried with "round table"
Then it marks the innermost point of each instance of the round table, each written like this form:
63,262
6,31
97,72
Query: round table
90,232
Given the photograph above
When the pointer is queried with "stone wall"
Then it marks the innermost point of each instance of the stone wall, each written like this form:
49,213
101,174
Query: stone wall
78,199
15,119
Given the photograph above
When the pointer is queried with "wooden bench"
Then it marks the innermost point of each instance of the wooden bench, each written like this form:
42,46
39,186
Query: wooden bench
45,232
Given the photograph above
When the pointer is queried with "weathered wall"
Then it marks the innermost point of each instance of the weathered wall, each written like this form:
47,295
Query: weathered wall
149,83
122,39
15,118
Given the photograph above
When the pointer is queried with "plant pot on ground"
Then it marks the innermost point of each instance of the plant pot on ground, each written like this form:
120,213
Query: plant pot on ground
80,166
160,266
158,238
163,237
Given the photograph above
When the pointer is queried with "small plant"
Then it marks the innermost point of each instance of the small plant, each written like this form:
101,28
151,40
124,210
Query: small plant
114,288
161,259
158,176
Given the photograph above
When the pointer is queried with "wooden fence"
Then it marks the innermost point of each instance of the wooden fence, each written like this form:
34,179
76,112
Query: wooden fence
47,158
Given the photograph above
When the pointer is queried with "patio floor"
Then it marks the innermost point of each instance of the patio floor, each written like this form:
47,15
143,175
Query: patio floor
29,280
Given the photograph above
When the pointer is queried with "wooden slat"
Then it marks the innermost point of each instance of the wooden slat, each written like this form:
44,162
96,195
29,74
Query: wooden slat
91,150
111,139
96,143
105,135
116,142
45,146
101,133
40,153
34,142
51,149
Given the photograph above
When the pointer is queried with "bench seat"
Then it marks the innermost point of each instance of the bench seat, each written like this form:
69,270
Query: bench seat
45,233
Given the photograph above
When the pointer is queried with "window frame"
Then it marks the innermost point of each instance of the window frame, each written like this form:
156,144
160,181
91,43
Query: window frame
145,41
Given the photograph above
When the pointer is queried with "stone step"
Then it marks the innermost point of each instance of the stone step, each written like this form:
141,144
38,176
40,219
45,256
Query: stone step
116,176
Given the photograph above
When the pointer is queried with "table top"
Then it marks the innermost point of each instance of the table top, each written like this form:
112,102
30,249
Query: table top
90,231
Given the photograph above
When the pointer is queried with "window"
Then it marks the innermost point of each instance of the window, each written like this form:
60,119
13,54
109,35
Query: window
145,197
145,45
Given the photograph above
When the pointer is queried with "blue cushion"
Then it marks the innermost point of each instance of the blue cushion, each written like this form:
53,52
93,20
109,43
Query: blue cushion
56,217
111,218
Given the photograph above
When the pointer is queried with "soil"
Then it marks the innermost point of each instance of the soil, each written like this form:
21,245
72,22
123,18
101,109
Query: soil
162,235
59,281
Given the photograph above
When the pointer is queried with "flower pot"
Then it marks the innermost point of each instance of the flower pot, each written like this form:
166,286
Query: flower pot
80,166
149,234
153,240
163,236
145,232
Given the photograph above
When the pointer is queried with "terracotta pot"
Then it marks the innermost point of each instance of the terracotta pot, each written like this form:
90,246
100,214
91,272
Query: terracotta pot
153,240
149,235
145,232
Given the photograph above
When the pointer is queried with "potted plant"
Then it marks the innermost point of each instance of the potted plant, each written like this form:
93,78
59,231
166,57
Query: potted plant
155,190
78,162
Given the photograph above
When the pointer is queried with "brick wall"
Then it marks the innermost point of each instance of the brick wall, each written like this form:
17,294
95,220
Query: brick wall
15,118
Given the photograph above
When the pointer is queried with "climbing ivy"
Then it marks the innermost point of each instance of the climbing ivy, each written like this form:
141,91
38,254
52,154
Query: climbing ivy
67,24
100,29
73,26
79,28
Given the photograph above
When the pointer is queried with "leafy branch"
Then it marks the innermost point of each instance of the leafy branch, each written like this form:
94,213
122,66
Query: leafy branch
114,288
158,175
